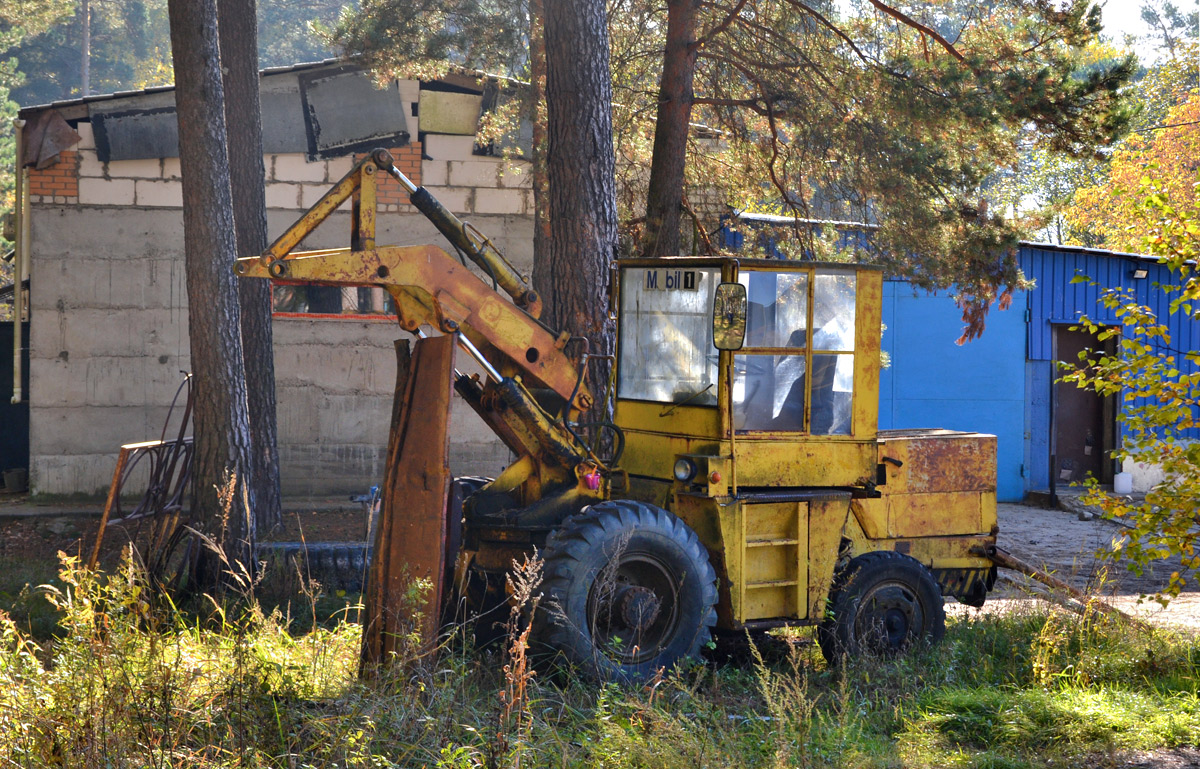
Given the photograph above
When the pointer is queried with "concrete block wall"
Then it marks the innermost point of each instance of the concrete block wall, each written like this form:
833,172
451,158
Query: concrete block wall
108,338
109,310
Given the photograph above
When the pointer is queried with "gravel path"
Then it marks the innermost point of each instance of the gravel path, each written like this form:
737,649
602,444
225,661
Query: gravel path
1066,547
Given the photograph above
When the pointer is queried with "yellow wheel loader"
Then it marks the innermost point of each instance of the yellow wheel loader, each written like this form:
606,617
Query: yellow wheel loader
743,481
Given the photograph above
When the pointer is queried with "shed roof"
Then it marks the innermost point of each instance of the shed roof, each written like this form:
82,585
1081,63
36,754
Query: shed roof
459,76
775,219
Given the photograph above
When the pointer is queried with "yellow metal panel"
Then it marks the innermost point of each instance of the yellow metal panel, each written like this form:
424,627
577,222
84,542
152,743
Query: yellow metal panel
776,569
669,419
827,520
655,491
934,552
703,515
652,454
771,602
710,522
803,462
732,537
776,563
869,309
872,516
987,512
776,558
772,521
931,515
947,552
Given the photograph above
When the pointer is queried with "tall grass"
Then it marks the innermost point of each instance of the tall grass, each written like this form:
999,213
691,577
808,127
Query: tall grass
131,680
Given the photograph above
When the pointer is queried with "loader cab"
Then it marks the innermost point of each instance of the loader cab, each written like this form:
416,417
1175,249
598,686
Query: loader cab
794,404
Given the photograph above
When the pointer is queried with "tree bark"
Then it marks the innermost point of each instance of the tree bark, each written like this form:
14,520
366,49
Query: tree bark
581,168
541,181
221,466
238,28
664,197
85,47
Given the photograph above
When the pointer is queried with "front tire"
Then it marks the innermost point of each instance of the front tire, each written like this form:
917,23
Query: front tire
881,605
629,590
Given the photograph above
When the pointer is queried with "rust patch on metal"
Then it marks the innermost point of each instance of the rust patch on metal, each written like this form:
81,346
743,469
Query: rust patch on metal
938,461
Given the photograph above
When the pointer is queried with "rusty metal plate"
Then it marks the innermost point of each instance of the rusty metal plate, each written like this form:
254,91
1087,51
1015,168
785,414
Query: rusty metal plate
937,461
410,542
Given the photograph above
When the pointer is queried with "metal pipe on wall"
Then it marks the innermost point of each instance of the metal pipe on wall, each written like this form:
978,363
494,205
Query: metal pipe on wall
20,260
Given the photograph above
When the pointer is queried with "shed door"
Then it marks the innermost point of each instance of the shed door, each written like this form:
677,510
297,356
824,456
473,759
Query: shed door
1084,427
14,418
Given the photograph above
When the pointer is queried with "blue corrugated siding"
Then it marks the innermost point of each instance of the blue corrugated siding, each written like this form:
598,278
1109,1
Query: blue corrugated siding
932,382
1037,424
1055,300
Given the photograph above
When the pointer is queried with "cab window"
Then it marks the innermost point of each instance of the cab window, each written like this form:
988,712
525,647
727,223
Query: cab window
665,349
796,321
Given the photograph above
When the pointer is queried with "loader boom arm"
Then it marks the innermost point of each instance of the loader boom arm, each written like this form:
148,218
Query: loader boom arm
530,389
428,285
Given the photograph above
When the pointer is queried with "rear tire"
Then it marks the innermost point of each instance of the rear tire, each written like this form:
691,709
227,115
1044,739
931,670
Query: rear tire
881,605
629,590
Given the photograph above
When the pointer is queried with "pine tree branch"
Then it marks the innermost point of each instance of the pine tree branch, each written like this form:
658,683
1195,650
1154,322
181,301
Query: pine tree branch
719,28
910,21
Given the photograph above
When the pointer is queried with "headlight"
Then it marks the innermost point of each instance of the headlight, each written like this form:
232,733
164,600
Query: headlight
685,469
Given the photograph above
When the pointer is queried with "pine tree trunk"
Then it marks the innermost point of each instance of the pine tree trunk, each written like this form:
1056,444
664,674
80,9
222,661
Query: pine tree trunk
85,48
582,198
664,197
221,426
243,122
541,181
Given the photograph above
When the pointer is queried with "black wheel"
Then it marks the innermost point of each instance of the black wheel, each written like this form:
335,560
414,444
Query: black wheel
880,605
628,590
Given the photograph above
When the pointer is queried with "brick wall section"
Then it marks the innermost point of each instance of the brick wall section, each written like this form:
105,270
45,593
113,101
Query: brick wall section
389,195
60,180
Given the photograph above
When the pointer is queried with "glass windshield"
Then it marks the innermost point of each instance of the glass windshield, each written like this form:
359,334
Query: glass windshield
666,350
771,381
776,308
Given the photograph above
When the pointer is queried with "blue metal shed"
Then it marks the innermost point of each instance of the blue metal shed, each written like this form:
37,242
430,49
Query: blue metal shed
1049,434
1053,307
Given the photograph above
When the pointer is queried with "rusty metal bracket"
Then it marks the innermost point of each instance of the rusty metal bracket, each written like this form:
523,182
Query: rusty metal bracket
412,536
169,465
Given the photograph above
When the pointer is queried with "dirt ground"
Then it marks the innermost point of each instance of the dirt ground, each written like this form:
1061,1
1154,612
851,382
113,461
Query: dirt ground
1050,539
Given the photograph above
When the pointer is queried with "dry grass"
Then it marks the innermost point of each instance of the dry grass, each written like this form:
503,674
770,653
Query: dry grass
131,680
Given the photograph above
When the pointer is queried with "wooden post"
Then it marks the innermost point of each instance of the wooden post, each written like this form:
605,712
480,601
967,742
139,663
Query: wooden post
1007,560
